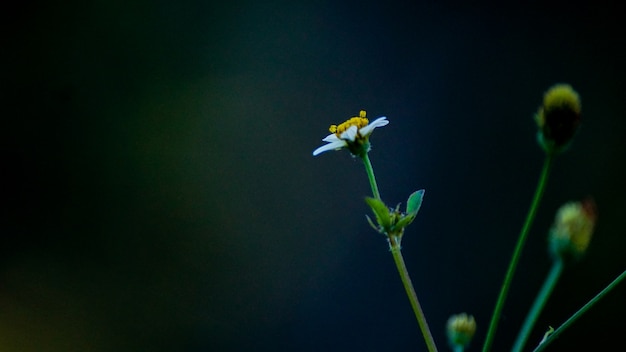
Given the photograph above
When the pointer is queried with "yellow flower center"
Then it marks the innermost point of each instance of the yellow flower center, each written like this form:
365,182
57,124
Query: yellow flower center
358,121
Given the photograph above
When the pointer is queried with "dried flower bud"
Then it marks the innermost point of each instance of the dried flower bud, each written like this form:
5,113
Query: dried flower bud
558,118
571,233
461,329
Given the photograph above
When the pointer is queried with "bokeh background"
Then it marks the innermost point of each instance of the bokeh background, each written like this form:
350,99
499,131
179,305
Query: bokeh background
160,193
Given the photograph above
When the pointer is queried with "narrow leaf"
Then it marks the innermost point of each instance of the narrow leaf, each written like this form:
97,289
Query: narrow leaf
369,220
380,211
404,221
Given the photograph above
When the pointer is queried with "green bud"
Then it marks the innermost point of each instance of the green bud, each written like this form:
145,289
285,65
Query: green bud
404,221
460,329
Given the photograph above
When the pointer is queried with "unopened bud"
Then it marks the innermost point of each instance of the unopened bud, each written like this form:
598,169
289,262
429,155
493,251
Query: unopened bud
571,233
460,329
558,118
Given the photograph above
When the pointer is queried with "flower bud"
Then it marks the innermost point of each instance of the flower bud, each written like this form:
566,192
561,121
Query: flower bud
460,329
558,118
571,233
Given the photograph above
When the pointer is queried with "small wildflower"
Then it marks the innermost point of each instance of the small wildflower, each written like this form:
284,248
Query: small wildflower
353,134
571,233
460,329
558,118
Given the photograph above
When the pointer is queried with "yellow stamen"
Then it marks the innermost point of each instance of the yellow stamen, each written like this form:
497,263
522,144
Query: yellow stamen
358,121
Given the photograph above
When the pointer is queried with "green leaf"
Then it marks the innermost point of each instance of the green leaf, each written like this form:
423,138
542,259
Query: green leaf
380,211
405,221
414,202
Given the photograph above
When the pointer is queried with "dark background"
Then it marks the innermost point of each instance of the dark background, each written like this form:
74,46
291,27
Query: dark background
160,193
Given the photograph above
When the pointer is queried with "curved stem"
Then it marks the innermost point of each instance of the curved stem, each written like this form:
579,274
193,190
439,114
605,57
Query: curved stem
394,244
370,176
495,318
540,302
579,313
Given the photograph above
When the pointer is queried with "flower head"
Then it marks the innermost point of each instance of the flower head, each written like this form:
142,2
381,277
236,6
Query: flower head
353,134
558,118
571,233
461,329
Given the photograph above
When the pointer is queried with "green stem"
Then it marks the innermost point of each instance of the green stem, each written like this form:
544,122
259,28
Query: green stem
540,302
370,175
394,244
458,348
495,318
580,312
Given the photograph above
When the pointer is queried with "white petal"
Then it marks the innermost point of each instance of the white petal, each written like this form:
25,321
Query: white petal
330,146
331,138
350,134
379,122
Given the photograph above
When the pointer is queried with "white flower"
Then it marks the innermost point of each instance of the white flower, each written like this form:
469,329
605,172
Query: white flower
353,132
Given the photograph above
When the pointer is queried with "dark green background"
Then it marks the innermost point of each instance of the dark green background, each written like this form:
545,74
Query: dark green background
160,193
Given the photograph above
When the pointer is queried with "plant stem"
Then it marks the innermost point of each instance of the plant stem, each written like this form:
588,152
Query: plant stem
370,175
580,312
540,302
459,348
495,318
394,244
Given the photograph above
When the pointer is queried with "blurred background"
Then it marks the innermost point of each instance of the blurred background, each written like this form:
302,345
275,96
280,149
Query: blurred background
160,193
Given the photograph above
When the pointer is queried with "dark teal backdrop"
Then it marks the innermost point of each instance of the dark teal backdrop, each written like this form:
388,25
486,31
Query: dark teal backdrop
160,193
